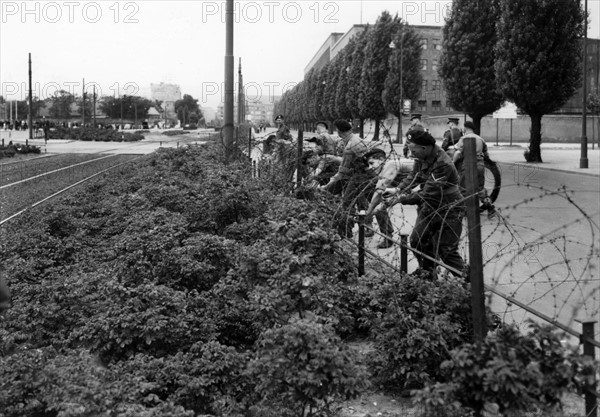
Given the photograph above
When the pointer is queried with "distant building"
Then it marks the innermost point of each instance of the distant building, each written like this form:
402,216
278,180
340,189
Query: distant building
168,94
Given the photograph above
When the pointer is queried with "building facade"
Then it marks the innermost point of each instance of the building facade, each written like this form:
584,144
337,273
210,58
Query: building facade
432,100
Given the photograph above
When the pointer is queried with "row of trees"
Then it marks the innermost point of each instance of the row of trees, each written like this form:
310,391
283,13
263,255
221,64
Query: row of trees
127,107
363,81
532,56
525,52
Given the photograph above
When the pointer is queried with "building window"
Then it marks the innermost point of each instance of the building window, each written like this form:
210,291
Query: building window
436,85
434,64
423,86
437,44
424,64
423,43
422,105
436,105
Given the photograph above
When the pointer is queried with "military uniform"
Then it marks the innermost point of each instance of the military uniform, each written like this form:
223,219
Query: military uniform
440,209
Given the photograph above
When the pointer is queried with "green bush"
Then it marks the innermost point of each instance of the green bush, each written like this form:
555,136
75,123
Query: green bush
303,368
419,322
509,373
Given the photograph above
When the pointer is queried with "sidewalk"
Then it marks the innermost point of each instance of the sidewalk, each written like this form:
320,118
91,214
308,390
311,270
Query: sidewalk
563,157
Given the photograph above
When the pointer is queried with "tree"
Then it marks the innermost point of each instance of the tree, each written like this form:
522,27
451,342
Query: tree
345,59
539,58
128,107
353,91
331,88
188,110
467,61
404,64
375,68
61,105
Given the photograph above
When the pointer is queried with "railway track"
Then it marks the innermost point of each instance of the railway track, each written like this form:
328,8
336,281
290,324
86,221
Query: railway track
17,194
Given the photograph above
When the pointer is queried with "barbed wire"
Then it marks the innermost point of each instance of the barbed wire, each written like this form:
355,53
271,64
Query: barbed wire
555,270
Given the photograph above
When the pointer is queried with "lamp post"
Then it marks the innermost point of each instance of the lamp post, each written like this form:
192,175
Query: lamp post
583,160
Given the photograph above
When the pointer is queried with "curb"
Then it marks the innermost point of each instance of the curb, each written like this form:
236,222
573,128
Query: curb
524,164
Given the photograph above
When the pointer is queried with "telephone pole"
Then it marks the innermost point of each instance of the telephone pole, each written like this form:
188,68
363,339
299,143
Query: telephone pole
228,108
30,117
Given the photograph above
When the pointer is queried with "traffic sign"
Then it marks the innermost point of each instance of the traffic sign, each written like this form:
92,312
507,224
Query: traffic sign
507,111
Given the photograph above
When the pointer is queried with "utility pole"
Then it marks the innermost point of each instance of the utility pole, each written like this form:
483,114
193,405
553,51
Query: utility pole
583,160
30,118
241,98
83,104
94,106
228,122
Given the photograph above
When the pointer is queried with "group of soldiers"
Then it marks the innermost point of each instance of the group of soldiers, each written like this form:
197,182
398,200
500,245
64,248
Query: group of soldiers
369,179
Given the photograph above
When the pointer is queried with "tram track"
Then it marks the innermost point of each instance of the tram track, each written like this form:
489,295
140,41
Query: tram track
19,196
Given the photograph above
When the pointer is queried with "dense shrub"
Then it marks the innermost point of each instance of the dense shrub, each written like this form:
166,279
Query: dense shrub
302,368
509,373
419,322
10,151
174,132
94,134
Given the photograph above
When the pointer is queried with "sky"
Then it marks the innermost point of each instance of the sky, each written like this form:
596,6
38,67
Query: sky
122,47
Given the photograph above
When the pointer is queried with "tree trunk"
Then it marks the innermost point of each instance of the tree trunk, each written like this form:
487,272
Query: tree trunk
477,122
535,139
376,134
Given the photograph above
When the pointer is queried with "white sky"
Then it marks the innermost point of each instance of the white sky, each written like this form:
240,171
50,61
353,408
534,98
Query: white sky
123,46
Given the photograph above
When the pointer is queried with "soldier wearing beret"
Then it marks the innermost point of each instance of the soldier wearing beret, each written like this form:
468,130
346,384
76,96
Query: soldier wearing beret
283,132
415,124
440,206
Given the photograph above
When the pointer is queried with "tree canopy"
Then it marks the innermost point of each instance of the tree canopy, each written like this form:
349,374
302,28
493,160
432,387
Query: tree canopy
188,110
539,57
467,61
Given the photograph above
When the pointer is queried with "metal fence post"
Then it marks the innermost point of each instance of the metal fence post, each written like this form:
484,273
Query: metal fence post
404,253
250,143
591,401
474,232
361,242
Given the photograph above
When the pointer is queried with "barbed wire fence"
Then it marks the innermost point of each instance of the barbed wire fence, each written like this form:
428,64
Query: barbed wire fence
547,273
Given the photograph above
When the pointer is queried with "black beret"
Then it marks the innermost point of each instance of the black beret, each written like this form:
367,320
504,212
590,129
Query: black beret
342,125
453,120
420,137
415,116
469,124
279,117
375,152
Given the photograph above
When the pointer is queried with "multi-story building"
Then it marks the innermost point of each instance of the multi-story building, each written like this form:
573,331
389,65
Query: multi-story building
432,100
168,94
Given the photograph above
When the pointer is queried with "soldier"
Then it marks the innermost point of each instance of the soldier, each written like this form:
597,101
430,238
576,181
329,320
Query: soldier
351,178
452,135
283,132
482,154
388,172
415,124
439,202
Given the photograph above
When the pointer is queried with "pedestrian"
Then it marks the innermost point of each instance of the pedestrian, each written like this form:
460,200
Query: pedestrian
481,151
351,178
388,172
440,206
415,124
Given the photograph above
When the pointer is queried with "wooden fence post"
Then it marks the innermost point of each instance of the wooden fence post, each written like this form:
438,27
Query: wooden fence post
299,158
474,232
404,253
591,401
361,242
